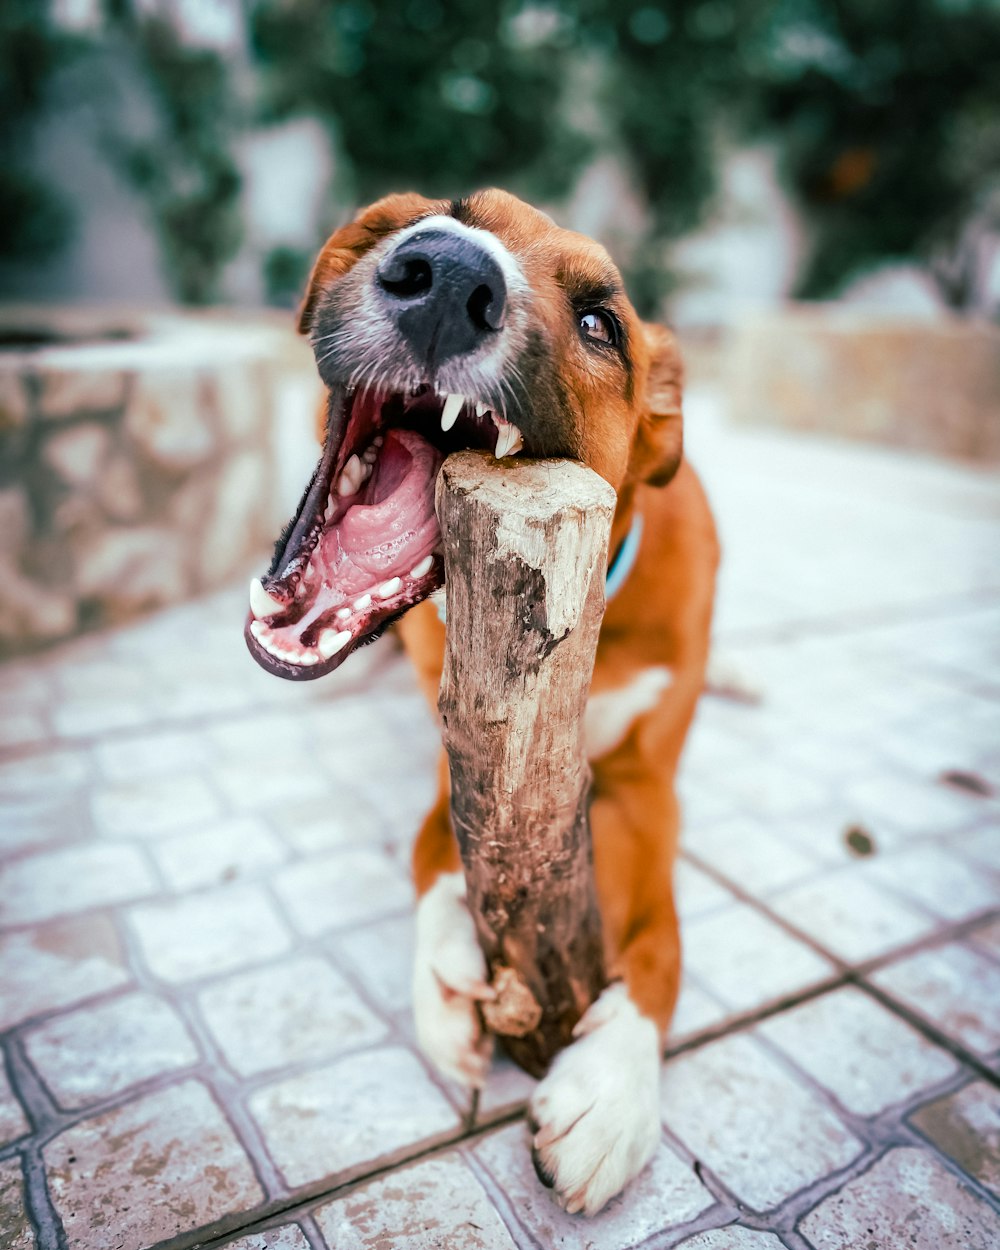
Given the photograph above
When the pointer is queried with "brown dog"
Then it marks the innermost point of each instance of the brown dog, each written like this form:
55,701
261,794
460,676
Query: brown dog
479,322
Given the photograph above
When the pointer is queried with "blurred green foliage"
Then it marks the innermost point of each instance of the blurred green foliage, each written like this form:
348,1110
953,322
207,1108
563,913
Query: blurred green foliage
36,219
886,115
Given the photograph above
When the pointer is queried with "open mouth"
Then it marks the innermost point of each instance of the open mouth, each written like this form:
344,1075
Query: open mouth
365,544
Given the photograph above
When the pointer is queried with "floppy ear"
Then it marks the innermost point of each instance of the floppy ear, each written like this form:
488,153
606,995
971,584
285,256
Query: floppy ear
659,441
350,242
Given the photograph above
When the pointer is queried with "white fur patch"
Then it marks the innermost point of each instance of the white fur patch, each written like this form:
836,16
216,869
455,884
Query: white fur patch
449,976
597,1110
611,714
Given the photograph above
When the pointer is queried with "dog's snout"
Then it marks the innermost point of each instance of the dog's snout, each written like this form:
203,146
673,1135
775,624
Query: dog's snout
446,293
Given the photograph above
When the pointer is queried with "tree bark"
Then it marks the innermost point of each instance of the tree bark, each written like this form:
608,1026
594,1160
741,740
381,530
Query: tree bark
525,547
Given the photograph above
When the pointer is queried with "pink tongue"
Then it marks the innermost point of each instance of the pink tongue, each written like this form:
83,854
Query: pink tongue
396,527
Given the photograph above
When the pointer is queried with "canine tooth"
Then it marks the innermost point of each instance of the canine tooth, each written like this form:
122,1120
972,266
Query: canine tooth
452,407
423,567
361,604
343,614
261,603
481,408
389,588
256,628
509,440
331,641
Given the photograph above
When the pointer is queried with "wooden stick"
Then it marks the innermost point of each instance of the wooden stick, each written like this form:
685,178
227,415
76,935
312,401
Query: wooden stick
525,545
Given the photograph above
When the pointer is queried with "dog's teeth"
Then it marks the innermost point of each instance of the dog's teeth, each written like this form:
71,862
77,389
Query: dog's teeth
343,614
309,658
370,455
261,603
509,440
449,413
331,641
361,604
351,477
389,588
256,628
423,567
481,408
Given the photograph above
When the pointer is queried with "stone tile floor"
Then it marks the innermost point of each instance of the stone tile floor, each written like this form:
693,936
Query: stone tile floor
205,916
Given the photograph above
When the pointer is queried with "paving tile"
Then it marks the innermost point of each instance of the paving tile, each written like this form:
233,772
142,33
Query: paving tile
910,806
16,1232
769,788
851,1045
88,718
742,1114
47,773
907,1199
745,852
696,891
158,805
381,1103
381,956
13,1123
696,1010
850,916
297,1011
92,1053
58,964
966,1126
745,960
149,755
31,823
251,787
955,989
983,846
220,851
54,883
987,938
319,824
667,1192
210,933
19,729
943,884
733,1237
288,1237
152,1169
437,1205
345,888
507,1088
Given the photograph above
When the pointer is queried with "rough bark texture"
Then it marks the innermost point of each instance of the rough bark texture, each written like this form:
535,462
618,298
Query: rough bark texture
525,557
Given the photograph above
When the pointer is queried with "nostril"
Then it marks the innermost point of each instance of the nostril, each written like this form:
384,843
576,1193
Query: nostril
485,309
405,276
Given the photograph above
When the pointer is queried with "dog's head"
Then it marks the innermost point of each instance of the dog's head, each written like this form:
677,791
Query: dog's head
438,326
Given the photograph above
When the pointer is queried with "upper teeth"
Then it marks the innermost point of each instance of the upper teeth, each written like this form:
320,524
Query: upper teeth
353,474
452,407
509,440
261,603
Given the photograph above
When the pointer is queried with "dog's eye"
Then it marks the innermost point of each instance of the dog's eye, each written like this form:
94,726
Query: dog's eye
598,325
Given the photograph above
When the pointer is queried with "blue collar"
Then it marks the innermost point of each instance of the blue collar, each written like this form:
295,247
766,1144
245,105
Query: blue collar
625,557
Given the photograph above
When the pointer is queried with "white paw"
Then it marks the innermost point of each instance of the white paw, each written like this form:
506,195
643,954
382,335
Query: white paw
449,977
595,1116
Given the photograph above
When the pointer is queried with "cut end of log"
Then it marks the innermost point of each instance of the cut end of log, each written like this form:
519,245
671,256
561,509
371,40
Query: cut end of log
515,1012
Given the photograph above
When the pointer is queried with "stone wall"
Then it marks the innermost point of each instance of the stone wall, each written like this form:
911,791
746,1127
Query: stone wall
139,459
930,385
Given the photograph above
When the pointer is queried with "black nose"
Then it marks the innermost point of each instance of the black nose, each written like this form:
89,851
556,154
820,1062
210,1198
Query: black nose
446,294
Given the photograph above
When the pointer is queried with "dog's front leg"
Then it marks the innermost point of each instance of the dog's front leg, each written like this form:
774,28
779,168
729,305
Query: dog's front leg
596,1115
449,974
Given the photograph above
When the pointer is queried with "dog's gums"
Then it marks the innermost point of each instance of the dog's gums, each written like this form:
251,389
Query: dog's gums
365,544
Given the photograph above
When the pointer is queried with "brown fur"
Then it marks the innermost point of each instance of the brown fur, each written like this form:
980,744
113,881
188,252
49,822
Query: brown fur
629,430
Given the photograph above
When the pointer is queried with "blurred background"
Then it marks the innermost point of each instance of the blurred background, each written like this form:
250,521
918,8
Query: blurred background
808,189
